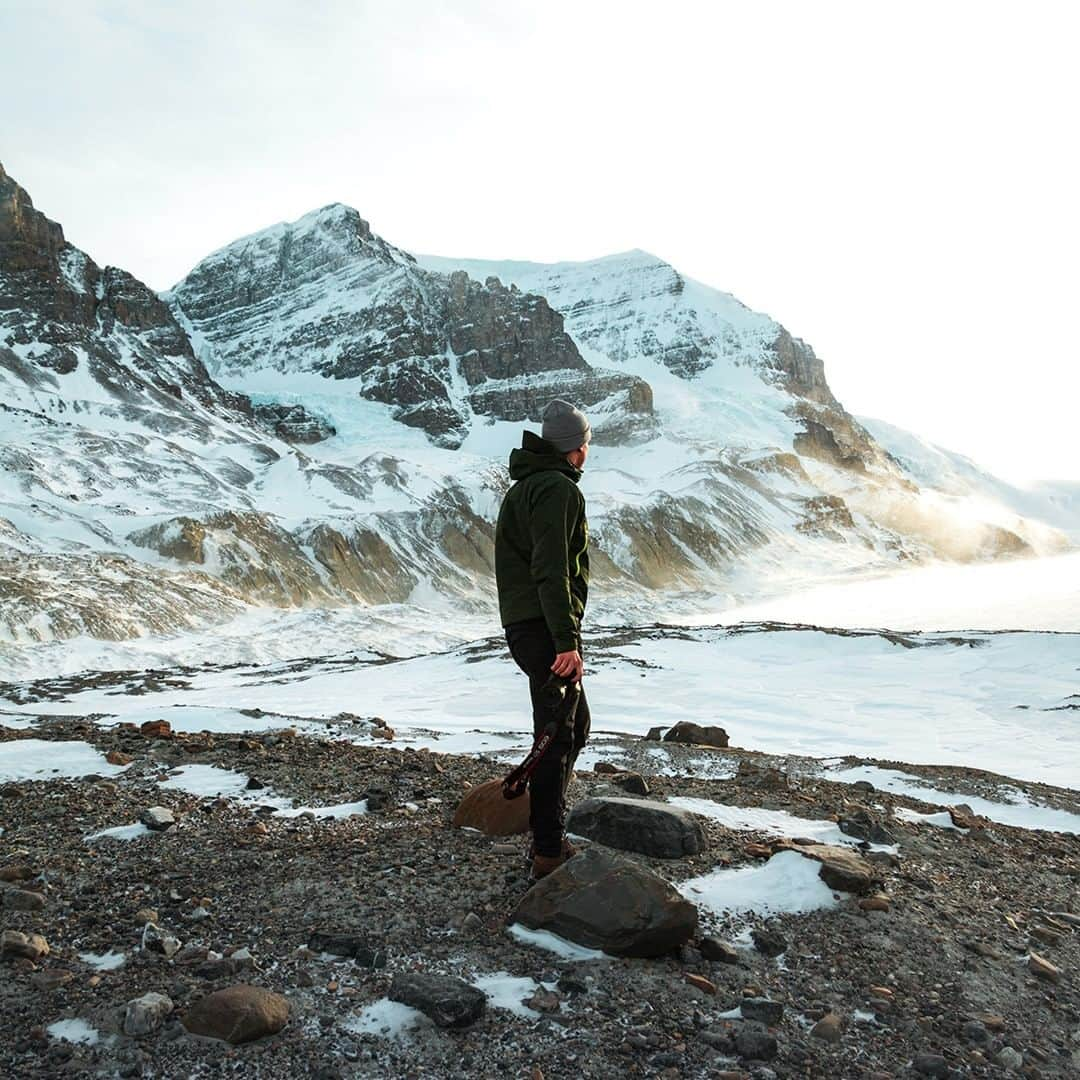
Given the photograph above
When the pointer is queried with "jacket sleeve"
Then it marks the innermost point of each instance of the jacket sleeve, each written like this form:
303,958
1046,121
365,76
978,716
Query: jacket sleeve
552,518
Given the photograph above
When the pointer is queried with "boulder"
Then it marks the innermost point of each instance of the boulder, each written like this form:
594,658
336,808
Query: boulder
14,943
145,1014
605,901
697,734
238,1014
450,1002
841,868
642,825
486,809
632,782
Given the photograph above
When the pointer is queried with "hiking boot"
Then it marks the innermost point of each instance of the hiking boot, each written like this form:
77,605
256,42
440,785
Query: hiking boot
542,865
568,850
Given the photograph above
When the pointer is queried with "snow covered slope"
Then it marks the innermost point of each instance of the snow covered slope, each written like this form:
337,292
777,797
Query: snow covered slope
316,419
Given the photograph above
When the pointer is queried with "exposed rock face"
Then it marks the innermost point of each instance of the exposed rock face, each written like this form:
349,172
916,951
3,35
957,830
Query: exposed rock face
347,305
650,828
605,901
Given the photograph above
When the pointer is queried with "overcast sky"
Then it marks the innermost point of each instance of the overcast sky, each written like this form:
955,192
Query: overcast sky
896,183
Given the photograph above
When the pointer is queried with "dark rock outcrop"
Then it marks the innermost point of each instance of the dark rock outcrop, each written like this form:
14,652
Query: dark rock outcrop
450,1002
697,734
641,825
606,901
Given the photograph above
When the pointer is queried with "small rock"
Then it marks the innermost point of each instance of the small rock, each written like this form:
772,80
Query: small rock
157,818
545,1001
761,776
632,782
931,1065
51,980
17,872
359,947
118,757
880,902
606,767
976,1033
238,1014
701,983
863,785
755,1043
697,734
472,923
254,784
841,868
145,1014
450,1002
963,817
827,1028
1042,967
1010,1058
769,942
14,944
154,939
718,951
23,900
156,729
762,1009
145,915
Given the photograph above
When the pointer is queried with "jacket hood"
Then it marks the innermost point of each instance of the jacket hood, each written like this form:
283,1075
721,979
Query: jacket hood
535,455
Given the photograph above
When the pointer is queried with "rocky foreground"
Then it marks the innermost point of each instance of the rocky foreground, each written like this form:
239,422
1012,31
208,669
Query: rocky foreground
227,939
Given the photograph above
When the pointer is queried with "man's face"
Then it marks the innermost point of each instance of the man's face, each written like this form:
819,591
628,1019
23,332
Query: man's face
577,457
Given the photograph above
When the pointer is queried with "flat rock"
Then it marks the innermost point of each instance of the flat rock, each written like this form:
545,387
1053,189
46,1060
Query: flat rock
697,734
604,901
718,951
15,944
762,1009
841,868
450,1002
1040,966
641,825
238,1014
755,1043
23,900
157,818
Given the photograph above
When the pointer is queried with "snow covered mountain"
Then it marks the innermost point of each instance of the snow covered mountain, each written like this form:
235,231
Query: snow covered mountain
313,418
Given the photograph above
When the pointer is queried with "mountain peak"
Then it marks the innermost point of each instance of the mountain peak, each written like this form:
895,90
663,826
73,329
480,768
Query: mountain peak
28,239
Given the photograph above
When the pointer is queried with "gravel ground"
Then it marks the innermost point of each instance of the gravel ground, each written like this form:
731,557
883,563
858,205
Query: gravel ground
940,983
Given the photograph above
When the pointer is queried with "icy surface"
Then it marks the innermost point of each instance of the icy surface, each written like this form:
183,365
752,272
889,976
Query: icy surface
134,831
74,1031
340,810
942,819
544,939
787,884
106,961
505,991
207,781
388,1019
41,759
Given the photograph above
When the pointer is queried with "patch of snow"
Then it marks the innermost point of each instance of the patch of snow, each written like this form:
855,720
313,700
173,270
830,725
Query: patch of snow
787,884
341,810
45,759
135,831
207,781
387,1019
544,939
505,991
773,822
106,961
74,1031
942,820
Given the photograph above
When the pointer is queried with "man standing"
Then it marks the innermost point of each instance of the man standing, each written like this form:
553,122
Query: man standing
542,572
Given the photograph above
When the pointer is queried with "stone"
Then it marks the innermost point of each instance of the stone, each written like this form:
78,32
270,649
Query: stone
604,901
769,942
931,1065
963,817
17,945
879,902
696,734
450,1002
827,1028
1042,968
976,1033
761,776
145,1014
632,782
359,947
841,868
718,951
655,734
1010,1058
762,1009
118,757
706,986
157,818
145,915
238,1014
545,1001
156,729
52,980
17,872
755,1043
864,826
23,900
154,939
642,825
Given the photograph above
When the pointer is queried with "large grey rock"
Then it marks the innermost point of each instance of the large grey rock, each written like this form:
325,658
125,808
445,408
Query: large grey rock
158,818
450,1002
606,901
642,825
145,1014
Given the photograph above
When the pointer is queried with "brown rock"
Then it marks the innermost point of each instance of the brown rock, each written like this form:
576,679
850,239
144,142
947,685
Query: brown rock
963,817
16,945
485,808
157,729
118,757
23,900
51,980
17,872
1042,967
827,1028
702,984
145,915
697,734
238,1014
879,902
841,868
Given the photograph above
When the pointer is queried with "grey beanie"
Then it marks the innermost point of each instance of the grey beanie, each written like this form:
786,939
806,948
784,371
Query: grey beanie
565,426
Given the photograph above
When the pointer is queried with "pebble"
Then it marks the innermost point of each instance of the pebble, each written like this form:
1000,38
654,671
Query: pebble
157,818
874,903
145,915
1042,967
1008,1058
769,942
706,986
719,951
931,1065
145,1014
827,1028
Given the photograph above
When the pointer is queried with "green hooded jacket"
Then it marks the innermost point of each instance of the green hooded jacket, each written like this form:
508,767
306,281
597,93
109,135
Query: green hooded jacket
541,543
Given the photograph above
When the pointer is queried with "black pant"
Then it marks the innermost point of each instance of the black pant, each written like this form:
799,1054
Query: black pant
534,652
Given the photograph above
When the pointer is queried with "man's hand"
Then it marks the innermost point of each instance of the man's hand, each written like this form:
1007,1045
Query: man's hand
569,665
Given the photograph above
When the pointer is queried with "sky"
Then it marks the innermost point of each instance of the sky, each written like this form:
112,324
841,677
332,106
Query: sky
895,183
